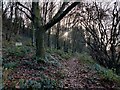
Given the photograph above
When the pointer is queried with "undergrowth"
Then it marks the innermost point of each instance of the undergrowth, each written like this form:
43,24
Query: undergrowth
60,52
21,52
104,73
44,83
85,58
51,59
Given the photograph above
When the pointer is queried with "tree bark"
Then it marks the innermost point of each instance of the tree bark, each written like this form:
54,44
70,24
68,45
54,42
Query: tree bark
39,30
48,39
40,50
57,36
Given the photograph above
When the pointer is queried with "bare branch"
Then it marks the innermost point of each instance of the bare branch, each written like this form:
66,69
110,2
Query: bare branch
23,6
58,17
25,13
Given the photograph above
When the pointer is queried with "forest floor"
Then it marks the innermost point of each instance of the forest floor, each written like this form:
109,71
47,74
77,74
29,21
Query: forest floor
22,71
79,75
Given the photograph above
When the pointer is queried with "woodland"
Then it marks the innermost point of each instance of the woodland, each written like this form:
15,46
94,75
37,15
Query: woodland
57,45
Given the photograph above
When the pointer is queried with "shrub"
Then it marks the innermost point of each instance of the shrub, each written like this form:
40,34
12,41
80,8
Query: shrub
85,58
35,85
51,60
66,55
18,50
60,52
10,65
107,74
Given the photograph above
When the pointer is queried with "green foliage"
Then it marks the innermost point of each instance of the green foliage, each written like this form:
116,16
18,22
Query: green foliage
6,43
41,68
49,59
107,74
33,84
40,60
18,50
55,63
53,60
59,52
48,83
27,85
63,54
85,58
10,65
66,55
21,83
49,50
37,85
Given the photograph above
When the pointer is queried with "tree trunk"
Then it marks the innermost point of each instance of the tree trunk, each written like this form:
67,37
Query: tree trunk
48,39
39,30
33,35
40,50
57,36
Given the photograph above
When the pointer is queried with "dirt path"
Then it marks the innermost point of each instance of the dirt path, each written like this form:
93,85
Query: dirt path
72,74
79,75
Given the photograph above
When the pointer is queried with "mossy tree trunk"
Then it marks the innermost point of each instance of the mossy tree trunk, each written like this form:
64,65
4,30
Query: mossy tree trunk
39,30
40,50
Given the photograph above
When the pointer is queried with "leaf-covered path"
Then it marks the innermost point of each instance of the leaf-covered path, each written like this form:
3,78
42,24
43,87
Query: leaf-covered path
79,75
71,73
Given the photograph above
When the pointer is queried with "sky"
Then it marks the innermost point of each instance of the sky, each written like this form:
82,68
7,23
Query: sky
64,0
111,1
89,1
105,1
92,0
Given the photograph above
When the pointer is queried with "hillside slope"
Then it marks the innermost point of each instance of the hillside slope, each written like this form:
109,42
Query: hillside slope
58,70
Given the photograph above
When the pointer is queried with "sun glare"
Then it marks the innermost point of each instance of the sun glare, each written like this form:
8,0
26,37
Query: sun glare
65,34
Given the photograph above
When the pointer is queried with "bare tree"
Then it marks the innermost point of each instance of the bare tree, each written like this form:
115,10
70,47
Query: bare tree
104,38
40,27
